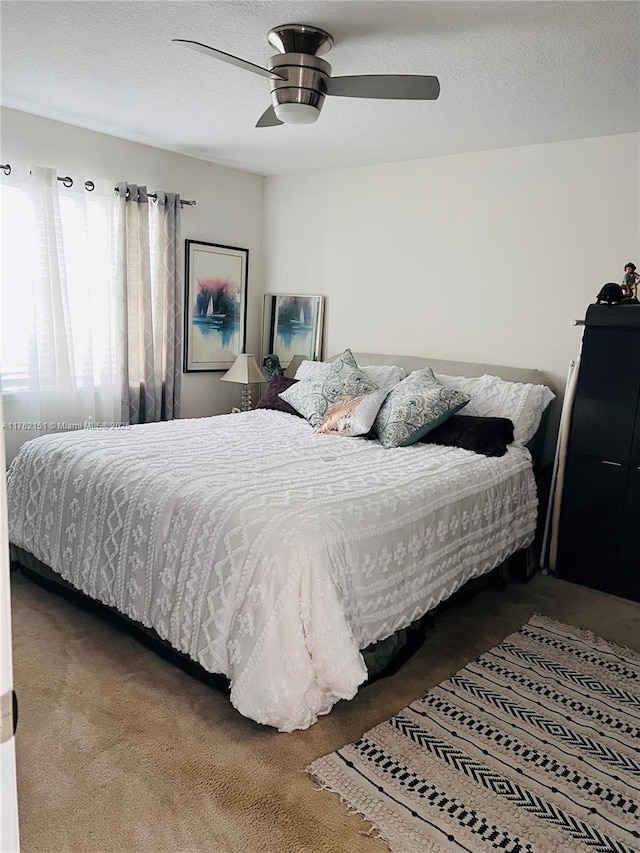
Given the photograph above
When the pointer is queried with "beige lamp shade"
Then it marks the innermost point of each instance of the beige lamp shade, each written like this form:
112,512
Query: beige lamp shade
245,370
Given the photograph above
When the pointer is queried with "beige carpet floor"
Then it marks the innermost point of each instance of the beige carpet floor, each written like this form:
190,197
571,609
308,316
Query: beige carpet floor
119,751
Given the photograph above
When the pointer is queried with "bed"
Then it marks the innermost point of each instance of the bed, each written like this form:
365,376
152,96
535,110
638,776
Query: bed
264,551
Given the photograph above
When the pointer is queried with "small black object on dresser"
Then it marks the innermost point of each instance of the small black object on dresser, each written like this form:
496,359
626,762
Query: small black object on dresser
599,533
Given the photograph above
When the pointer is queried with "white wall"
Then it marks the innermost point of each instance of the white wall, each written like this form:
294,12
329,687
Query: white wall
230,211
482,257
476,257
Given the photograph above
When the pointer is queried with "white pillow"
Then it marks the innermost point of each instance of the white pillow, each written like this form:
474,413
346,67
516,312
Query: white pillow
352,416
312,370
385,376
492,397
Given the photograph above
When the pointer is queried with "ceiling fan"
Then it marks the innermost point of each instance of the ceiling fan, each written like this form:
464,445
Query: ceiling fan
300,80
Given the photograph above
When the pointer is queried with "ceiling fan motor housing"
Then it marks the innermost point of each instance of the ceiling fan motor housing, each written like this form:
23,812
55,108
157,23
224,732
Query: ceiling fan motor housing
305,84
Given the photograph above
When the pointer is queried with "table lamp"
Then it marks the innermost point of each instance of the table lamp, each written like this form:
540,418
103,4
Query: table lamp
245,371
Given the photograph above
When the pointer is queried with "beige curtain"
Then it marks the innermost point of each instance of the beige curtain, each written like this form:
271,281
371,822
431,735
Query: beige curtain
149,291
58,339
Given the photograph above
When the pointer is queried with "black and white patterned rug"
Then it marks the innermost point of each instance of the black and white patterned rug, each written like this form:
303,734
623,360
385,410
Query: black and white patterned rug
533,747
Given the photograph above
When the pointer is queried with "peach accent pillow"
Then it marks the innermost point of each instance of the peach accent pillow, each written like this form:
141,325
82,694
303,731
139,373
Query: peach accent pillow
351,416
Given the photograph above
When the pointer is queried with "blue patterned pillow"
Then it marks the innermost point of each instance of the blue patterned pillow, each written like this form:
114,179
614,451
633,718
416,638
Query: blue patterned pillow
414,407
312,397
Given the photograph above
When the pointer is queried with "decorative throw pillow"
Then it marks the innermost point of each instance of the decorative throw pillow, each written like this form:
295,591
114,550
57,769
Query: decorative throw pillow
312,398
492,397
385,376
415,406
271,400
352,415
488,436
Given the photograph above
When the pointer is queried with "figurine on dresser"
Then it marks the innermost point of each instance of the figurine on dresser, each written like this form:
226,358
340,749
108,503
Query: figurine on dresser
625,293
630,281
610,294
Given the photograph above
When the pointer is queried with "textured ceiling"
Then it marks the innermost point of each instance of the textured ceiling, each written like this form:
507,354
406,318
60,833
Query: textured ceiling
511,73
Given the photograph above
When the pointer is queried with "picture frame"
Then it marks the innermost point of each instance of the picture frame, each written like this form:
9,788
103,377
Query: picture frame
215,305
292,325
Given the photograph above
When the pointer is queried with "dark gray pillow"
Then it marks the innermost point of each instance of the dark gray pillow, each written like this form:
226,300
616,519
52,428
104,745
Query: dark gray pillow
271,400
488,436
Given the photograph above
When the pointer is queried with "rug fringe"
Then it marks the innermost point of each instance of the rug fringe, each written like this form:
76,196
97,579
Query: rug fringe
351,810
542,620
374,829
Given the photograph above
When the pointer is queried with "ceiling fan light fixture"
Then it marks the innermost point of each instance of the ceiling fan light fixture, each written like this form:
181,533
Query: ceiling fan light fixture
300,80
296,113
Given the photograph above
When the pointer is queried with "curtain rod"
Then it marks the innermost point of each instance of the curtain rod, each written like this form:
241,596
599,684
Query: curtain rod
90,186
189,202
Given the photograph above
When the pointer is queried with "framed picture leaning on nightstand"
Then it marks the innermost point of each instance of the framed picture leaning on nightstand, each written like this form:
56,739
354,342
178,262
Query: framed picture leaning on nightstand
215,305
292,325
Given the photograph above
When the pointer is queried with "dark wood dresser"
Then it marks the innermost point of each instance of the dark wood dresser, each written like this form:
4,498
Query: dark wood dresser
599,533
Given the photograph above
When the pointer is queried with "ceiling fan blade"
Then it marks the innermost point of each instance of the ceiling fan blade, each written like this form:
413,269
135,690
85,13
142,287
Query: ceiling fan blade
413,87
269,118
232,60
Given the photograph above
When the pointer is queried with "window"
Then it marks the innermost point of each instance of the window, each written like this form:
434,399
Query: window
57,288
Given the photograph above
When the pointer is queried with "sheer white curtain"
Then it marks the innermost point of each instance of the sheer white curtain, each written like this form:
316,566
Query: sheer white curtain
149,296
58,345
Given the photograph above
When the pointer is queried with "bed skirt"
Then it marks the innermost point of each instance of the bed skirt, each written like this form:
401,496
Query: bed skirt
382,659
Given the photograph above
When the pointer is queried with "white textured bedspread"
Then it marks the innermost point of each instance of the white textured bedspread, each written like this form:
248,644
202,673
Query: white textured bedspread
263,551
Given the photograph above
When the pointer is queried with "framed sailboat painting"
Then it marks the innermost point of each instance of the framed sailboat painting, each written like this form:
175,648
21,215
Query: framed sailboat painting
292,326
215,305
